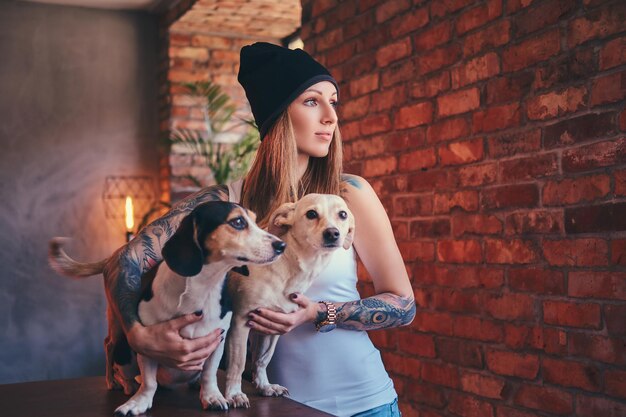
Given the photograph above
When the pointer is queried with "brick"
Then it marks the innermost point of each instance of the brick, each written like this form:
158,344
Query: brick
179,39
364,148
512,364
529,52
438,323
432,86
514,143
510,196
417,160
375,124
386,99
594,406
534,222
437,59
492,36
583,315
496,118
380,166
579,129
483,385
608,89
459,153
476,69
409,22
597,24
450,300
433,36
555,104
596,155
388,9
402,365
533,167
444,7
477,175
551,400
460,352
425,394
540,281
465,277
329,39
622,120
549,340
393,52
458,102
364,85
197,54
358,25
480,224
355,108
541,16
425,181
430,228
510,252
599,218
599,348
613,53
417,344
509,307
397,73
577,252
571,374
184,76
478,16
413,115
595,284
447,376
405,140
509,88
618,252
417,251
448,129
477,329
459,251
571,191
506,411
468,406
615,381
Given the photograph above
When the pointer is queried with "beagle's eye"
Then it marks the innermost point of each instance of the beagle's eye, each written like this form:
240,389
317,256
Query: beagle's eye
238,223
311,214
343,215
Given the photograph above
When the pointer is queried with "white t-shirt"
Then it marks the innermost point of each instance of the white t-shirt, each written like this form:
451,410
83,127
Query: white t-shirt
339,372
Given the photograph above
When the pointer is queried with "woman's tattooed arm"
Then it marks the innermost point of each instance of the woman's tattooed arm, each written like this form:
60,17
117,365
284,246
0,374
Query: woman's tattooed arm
123,273
381,311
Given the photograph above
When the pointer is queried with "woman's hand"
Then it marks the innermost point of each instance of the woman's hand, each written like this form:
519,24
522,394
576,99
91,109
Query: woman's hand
163,343
276,323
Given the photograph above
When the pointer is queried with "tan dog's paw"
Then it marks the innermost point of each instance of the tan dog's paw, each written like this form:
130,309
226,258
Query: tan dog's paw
213,400
239,400
139,404
273,390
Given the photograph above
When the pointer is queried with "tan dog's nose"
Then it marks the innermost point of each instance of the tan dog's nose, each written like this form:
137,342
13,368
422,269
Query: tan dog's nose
331,235
279,247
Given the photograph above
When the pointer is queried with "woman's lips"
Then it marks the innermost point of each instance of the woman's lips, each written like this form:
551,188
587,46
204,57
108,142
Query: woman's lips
323,135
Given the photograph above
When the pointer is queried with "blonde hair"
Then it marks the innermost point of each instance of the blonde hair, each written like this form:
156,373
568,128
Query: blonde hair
272,178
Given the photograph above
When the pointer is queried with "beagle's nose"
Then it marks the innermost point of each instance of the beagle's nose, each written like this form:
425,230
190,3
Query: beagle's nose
279,247
331,235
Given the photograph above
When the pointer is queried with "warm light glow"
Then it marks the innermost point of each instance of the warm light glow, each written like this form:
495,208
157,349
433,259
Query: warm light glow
130,221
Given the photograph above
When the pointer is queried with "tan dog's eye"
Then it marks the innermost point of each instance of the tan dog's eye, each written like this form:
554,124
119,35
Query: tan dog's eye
311,214
343,215
238,223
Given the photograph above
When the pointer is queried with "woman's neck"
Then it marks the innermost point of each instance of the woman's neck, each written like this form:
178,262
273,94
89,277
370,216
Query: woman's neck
303,163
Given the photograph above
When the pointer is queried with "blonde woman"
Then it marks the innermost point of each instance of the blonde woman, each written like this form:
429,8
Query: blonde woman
326,360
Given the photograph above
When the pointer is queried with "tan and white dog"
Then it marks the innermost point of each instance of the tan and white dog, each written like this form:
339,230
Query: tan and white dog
214,238
312,228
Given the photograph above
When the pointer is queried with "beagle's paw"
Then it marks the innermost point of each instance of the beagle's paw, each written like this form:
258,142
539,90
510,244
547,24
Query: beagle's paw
239,400
139,404
273,390
213,400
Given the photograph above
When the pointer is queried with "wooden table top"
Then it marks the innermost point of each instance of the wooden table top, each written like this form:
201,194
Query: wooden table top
89,397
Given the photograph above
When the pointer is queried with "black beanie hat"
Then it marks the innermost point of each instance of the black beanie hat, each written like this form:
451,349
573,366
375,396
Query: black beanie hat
273,77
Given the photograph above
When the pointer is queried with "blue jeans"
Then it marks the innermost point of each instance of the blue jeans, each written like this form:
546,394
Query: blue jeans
387,410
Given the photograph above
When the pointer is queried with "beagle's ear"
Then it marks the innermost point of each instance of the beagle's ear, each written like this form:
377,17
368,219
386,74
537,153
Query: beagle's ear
347,241
181,252
281,219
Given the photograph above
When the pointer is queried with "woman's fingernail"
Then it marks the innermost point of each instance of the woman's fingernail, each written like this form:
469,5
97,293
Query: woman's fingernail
258,311
198,313
293,296
222,331
250,316
222,339
249,323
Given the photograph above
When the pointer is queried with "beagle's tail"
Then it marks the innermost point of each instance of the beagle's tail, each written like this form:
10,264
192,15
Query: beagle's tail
64,265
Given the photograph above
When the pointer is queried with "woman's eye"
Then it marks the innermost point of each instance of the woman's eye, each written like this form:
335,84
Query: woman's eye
311,214
238,223
343,215
334,104
310,102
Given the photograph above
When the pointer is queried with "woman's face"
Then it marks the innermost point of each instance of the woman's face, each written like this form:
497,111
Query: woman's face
314,119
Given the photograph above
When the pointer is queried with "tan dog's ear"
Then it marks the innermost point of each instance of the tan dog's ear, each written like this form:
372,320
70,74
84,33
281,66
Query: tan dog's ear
281,219
347,241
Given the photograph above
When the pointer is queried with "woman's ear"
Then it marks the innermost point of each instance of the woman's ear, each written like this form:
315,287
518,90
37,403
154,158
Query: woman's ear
181,252
347,242
281,219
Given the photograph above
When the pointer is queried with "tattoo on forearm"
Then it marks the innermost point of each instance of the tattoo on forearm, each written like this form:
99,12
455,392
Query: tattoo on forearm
144,253
378,312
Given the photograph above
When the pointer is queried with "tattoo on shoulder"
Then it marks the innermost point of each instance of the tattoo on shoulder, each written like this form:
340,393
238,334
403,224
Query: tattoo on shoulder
352,180
377,312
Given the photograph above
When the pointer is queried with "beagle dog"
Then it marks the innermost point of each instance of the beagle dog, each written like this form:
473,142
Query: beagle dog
213,239
312,228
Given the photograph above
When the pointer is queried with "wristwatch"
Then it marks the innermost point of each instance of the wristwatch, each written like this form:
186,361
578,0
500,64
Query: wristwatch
330,322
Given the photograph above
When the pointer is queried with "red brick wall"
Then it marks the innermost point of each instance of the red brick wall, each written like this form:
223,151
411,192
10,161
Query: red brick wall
493,132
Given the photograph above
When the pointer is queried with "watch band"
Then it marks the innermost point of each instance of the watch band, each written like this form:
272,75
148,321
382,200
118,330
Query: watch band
331,317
